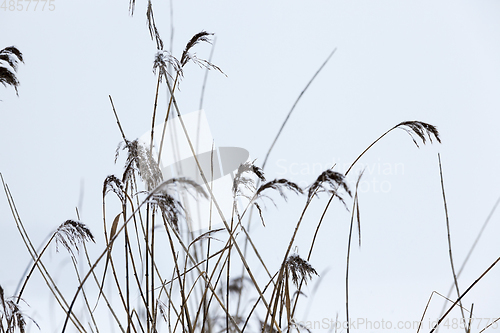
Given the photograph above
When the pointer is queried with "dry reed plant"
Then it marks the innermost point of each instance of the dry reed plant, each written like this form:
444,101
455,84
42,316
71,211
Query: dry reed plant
11,317
167,277
9,60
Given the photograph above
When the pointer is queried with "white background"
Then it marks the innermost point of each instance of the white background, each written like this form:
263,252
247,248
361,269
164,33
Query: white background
434,61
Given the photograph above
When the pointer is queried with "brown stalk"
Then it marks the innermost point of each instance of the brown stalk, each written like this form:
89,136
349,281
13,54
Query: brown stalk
449,242
41,267
490,324
354,206
463,294
476,241
87,305
217,205
116,116
294,105
420,128
115,317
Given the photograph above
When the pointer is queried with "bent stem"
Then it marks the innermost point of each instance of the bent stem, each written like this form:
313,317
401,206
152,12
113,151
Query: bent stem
294,105
464,293
355,208
35,263
449,243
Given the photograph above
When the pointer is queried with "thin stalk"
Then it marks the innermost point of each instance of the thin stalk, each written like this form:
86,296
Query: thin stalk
146,238
120,292
286,120
73,260
216,204
427,306
103,295
283,265
116,116
470,317
127,281
214,293
28,270
210,278
205,78
184,309
476,241
347,266
294,105
69,312
154,111
463,294
368,148
32,251
205,305
164,284
228,268
280,276
494,322
258,300
449,242
153,314
168,113
311,247
192,289
35,263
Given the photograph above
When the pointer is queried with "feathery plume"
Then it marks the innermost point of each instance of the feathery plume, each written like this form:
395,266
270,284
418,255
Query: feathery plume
113,184
280,185
241,179
153,31
140,159
299,269
421,129
72,234
334,179
9,59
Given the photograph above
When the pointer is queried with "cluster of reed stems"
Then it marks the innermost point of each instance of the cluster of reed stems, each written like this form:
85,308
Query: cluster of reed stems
169,278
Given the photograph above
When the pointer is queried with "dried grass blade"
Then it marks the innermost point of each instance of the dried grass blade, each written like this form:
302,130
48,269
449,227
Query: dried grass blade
294,105
112,233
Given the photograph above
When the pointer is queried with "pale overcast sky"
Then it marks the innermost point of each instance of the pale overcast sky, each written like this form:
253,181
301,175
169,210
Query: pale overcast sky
433,61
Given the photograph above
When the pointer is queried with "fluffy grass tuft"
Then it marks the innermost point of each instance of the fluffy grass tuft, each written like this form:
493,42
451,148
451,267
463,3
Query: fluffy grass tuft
299,269
9,59
421,129
71,234
329,181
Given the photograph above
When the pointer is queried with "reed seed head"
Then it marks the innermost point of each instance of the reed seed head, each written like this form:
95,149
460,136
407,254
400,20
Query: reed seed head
11,315
299,269
153,31
72,234
140,159
280,185
202,36
240,178
329,181
421,129
170,207
9,59
113,184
